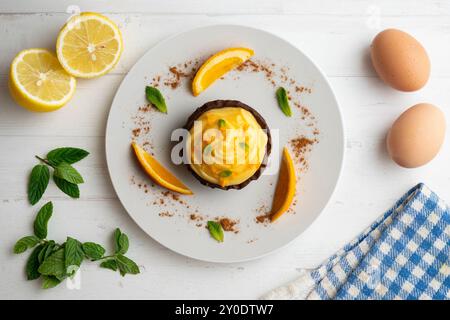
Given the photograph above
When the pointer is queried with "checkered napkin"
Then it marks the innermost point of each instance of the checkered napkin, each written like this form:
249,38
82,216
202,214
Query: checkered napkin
405,254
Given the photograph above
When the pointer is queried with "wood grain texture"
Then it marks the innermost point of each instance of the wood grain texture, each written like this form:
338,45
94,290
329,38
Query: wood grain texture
336,34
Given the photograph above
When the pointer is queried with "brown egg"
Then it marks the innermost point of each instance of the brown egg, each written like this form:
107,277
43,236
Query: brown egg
416,136
400,60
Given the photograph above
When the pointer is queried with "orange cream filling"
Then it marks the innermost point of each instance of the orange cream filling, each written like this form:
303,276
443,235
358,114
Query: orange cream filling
227,146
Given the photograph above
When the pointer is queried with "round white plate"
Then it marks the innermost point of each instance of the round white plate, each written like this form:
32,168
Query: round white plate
178,232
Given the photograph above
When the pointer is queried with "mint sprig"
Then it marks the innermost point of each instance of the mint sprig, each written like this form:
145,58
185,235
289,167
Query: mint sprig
25,243
38,182
55,262
68,188
215,230
65,176
67,155
93,250
283,101
155,97
66,172
41,221
32,265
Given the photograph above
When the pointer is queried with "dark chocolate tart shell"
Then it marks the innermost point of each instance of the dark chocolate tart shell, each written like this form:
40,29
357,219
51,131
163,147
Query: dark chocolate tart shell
218,104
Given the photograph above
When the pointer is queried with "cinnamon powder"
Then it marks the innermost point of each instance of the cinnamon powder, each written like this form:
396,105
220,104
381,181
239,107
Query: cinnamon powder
228,225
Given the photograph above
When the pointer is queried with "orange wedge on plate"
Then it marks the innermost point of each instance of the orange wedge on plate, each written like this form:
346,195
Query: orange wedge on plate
158,173
216,66
285,190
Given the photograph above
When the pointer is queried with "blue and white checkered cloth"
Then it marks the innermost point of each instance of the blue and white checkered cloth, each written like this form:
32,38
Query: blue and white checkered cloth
405,254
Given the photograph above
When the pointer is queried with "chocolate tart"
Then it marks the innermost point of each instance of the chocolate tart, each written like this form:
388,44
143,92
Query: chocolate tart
219,104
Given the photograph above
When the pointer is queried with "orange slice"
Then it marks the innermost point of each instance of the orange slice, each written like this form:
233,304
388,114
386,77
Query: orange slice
285,190
158,173
216,66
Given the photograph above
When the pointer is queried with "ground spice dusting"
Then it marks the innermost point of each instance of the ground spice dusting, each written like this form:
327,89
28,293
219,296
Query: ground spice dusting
228,225
263,215
136,132
176,74
263,218
195,217
301,146
166,214
141,126
175,197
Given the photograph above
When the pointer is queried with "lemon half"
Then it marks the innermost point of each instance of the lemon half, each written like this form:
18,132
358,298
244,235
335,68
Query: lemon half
89,45
38,82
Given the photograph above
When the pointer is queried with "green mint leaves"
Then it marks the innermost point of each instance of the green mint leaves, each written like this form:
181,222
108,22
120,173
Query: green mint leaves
25,243
65,176
155,97
55,262
216,231
109,264
66,172
67,155
32,265
121,240
118,261
73,255
54,265
93,251
41,221
283,101
225,173
38,182
68,188
126,265
221,123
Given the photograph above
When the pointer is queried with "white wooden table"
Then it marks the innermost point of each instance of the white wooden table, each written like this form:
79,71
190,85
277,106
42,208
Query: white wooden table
336,34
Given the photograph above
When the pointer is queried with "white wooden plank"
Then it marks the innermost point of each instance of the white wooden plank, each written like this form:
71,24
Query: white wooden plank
223,7
347,39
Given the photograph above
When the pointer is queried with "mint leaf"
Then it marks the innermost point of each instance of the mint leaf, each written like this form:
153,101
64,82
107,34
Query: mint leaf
32,265
67,172
47,250
68,188
25,243
117,234
93,250
41,221
126,265
66,154
109,264
37,183
73,255
50,282
283,101
216,231
225,173
54,265
123,243
155,97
